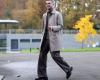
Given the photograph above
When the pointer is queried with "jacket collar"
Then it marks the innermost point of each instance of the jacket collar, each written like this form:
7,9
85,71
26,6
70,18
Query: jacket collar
53,11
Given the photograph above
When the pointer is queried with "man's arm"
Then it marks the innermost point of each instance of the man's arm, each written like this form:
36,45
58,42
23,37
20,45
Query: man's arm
59,23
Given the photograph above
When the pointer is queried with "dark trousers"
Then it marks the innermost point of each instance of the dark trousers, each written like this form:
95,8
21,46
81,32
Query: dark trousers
42,63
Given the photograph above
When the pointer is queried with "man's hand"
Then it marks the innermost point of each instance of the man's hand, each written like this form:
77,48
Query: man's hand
49,28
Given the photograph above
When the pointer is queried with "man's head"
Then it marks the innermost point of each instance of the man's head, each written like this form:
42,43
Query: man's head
50,4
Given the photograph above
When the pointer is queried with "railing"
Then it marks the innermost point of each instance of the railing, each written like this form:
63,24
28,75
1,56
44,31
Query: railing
20,31
2,49
33,31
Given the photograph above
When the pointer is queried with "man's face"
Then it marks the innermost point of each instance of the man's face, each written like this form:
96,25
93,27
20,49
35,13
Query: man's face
49,5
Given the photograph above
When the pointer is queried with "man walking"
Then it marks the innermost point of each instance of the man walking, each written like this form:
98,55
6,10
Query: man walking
52,24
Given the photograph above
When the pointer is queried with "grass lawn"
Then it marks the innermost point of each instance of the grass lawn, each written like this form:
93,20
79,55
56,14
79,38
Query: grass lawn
30,51
81,50
64,50
34,51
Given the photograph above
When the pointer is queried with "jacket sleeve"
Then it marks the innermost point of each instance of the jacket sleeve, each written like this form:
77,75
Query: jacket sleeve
59,23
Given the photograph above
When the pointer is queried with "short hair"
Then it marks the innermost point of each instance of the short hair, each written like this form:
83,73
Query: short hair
51,0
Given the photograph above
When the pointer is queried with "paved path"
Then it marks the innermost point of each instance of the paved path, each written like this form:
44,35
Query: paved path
23,66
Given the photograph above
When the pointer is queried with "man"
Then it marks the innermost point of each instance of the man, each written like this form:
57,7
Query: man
53,24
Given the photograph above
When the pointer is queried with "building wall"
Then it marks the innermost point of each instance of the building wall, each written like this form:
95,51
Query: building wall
23,44
68,41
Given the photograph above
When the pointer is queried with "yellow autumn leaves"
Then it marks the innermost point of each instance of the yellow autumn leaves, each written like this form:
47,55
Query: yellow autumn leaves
85,26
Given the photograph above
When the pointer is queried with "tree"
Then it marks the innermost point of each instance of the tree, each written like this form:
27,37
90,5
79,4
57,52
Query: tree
32,15
28,14
7,11
42,8
73,10
1,8
85,27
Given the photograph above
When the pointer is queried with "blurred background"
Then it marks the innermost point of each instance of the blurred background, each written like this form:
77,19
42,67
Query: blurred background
20,22
29,12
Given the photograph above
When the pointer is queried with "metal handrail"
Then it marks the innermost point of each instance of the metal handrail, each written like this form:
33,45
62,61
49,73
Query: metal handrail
33,31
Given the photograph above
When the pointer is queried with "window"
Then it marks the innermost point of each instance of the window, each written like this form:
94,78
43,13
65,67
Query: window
36,40
97,26
14,44
2,42
25,40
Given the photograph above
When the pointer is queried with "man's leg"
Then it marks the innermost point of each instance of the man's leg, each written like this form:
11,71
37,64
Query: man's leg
59,60
64,65
42,62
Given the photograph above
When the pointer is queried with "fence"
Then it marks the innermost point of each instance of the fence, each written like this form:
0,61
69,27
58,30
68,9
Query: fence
32,31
